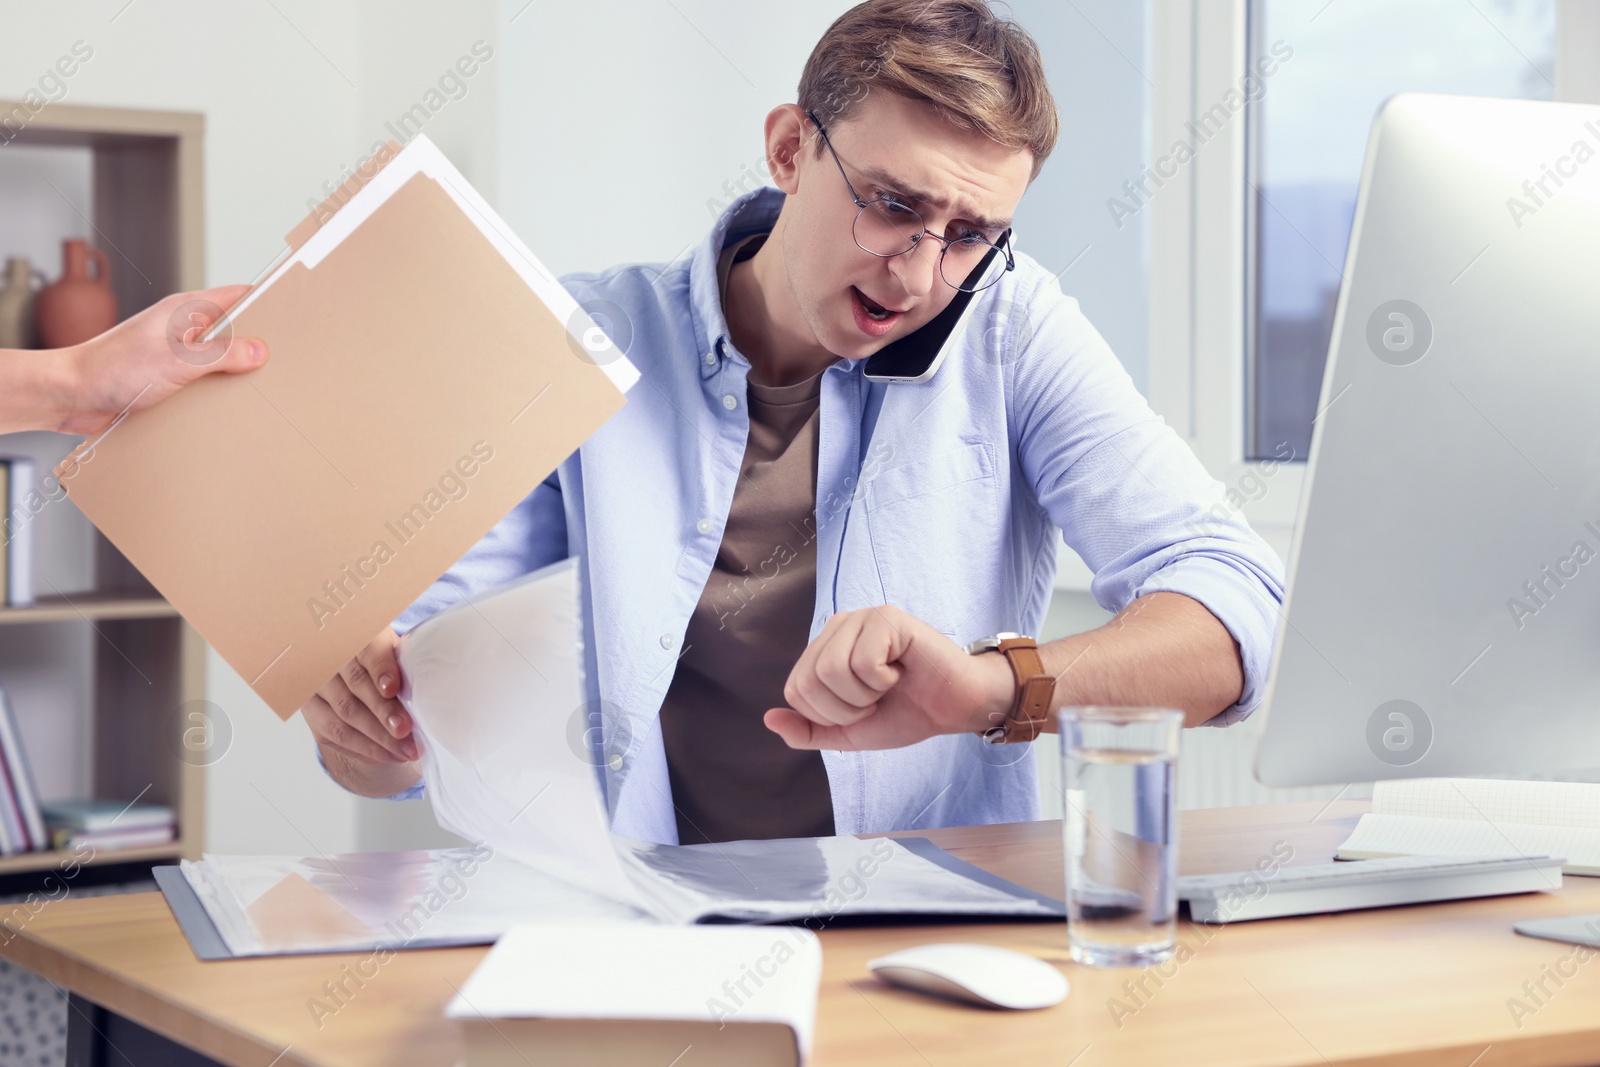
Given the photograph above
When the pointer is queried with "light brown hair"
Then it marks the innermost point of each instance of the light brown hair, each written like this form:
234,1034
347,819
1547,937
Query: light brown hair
976,70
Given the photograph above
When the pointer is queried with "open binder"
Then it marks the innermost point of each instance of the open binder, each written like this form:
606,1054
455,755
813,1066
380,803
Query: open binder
427,373
491,683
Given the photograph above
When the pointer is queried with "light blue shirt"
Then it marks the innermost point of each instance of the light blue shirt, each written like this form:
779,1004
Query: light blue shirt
943,498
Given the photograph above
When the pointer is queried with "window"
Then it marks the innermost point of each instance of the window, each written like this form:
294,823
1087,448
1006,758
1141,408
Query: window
1306,134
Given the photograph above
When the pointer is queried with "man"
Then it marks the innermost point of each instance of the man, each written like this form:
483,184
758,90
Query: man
781,556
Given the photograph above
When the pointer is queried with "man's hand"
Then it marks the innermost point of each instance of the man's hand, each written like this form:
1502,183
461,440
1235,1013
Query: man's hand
879,678
152,355
363,730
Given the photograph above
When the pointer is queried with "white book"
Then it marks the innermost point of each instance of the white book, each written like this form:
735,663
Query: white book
1481,817
579,994
16,531
112,840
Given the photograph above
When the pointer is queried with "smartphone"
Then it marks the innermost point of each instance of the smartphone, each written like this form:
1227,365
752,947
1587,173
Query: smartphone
914,357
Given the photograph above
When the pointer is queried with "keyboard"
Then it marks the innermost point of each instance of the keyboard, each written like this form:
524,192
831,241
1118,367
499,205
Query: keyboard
1317,888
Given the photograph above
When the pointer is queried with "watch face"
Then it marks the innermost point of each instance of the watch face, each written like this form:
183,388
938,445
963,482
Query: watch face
991,643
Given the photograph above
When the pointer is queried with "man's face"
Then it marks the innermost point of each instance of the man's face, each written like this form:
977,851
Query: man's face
959,180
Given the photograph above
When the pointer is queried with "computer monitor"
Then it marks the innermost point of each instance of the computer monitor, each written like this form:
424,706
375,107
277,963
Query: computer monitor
1443,606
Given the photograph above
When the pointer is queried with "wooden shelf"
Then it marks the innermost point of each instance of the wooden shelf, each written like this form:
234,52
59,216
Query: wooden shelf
89,606
43,861
111,703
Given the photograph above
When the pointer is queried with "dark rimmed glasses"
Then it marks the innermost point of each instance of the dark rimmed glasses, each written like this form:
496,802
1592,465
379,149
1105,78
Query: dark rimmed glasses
888,227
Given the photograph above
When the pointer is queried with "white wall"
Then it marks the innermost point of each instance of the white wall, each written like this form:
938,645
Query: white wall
1095,58
619,121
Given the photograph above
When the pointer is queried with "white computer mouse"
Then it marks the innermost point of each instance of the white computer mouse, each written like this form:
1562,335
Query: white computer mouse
985,975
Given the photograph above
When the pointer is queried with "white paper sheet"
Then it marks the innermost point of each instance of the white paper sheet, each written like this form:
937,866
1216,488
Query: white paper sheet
491,683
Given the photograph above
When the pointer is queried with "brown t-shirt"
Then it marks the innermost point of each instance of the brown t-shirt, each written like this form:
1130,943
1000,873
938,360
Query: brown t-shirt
732,778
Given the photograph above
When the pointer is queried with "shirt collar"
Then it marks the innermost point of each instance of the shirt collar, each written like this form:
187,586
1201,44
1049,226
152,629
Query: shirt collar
754,212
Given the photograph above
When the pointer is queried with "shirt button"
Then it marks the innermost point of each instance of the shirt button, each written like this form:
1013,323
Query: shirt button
711,359
666,640
704,526
729,401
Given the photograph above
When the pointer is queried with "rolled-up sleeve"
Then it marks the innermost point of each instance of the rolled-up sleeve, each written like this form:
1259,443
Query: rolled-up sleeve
1130,496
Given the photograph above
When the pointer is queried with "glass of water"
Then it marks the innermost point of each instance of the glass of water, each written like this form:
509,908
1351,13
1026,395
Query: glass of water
1121,829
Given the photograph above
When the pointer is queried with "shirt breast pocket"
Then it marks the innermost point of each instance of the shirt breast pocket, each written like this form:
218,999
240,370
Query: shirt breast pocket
933,522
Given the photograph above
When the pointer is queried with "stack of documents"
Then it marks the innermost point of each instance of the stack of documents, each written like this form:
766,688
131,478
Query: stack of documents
1481,817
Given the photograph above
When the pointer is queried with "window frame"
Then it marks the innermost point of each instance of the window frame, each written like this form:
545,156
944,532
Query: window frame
1199,317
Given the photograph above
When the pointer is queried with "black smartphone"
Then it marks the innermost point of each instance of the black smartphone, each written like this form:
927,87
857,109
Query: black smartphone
914,357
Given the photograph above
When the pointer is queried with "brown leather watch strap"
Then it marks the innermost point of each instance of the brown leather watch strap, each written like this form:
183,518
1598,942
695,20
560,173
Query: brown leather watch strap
1030,709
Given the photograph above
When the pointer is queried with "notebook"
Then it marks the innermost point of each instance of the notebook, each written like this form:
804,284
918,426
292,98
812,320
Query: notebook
1481,817
427,373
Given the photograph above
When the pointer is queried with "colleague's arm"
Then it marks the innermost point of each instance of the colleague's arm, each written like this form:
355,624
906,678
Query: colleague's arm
139,362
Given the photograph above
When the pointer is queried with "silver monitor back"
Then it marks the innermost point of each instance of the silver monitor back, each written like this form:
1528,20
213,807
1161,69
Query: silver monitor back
1443,607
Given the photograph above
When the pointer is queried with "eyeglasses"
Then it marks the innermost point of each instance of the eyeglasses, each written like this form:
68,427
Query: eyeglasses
888,227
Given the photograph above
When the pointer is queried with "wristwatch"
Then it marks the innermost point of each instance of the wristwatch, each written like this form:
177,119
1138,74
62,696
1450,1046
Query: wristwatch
1030,708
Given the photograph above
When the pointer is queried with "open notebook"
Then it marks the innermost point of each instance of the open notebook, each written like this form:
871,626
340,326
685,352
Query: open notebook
492,683
1481,817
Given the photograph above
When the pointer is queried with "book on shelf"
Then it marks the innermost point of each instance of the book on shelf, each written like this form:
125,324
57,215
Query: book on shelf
21,819
16,531
72,840
96,816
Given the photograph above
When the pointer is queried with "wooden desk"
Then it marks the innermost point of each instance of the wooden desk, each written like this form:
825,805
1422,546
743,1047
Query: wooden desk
1428,984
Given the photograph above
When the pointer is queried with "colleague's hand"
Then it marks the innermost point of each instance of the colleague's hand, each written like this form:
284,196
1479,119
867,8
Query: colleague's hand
149,356
880,678
356,715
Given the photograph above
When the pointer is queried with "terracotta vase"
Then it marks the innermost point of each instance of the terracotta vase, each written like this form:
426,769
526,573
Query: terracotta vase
16,303
76,306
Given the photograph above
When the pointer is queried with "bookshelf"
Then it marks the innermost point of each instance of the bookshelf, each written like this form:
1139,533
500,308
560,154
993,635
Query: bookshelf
100,669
